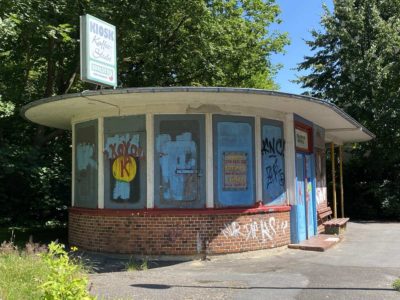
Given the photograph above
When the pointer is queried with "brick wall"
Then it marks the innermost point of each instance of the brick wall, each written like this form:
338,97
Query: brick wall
179,232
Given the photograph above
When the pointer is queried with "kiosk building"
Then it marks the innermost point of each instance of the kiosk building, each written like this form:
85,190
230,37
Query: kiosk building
192,170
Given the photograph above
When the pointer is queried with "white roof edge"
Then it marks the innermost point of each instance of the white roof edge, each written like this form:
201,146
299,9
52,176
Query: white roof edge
86,93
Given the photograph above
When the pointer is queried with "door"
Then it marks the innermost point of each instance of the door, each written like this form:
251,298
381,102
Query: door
304,211
309,194
298,214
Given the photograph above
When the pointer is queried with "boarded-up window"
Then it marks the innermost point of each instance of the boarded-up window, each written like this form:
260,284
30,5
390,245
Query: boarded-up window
86,164
234,183
179,161
273,162
125,162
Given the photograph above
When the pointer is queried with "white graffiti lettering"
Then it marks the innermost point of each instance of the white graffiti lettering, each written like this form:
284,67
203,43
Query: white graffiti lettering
262,230
232,230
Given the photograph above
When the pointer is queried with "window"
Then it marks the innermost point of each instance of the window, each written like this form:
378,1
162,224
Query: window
179,161
320,165
234,183
273,162
85,188
125,162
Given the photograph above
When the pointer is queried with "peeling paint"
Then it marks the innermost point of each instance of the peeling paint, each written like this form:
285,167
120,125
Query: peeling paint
204,108
84,156
178,162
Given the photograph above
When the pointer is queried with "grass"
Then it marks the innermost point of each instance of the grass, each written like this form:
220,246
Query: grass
396,284
20,275
134,265
40,272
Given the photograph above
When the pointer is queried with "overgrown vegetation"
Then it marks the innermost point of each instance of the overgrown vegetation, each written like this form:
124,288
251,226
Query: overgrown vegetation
160,43
137,265
20,273
38,272
355,64
396,284
65,278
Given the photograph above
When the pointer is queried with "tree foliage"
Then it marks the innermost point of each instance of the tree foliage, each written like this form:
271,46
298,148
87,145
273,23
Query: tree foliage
160,43
356,65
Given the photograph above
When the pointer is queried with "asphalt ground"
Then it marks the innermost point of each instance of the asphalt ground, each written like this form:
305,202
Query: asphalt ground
362,266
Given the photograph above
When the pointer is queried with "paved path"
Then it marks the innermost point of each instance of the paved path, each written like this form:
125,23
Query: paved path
362,266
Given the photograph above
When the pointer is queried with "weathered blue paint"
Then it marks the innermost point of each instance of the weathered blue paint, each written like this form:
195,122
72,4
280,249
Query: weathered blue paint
125,137
85,156
86,164
273,163
298,212
179,161
122,190
233,135
310,195
303,214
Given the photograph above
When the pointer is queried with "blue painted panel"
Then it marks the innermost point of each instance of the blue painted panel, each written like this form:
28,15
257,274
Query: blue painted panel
309,194
179,161
273,169
234,159
298,228
179,165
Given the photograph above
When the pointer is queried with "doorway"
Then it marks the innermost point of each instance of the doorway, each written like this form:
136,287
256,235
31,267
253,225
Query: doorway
303,212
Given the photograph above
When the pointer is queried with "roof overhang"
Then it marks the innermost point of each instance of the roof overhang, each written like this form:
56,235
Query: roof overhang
60,111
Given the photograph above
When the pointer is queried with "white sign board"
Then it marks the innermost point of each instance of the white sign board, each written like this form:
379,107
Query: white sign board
301,139
98,51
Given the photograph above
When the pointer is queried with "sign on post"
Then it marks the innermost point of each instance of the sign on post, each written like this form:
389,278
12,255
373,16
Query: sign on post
98,51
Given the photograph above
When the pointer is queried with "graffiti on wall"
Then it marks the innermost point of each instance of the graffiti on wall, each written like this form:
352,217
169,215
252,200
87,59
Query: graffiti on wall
234,171
86,172
262,230
179,167
124,153
273,151
85,156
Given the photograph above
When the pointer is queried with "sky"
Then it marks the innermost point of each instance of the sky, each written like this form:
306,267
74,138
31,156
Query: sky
298,17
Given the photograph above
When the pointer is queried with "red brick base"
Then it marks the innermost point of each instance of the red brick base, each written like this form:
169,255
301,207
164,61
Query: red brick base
175,232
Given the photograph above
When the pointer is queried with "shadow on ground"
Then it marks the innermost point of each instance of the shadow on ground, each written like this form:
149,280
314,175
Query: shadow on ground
166,286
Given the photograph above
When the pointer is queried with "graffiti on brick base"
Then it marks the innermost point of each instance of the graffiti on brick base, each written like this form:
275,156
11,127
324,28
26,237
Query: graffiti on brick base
262,230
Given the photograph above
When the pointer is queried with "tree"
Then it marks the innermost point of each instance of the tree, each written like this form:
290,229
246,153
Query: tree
356,65
160,43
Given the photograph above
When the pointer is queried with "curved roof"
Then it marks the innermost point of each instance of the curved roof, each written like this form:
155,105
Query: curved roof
59,111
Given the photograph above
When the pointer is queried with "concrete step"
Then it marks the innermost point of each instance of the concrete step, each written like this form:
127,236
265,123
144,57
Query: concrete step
319,243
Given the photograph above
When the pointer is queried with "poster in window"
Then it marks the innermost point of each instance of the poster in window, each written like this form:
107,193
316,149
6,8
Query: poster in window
235,171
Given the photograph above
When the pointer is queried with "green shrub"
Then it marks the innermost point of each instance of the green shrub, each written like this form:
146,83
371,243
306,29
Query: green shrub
66,279
396,284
